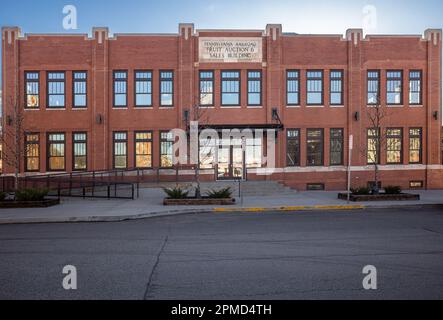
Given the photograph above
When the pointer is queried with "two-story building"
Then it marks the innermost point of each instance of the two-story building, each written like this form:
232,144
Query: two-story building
105,102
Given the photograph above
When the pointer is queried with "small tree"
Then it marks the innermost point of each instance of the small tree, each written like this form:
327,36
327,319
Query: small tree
376,116
13,137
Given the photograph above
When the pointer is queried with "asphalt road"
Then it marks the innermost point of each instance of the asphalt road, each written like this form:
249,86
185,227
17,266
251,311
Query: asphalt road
312,255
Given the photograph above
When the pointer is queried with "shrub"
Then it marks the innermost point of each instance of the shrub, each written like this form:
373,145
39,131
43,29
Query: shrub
224,193
361,191
393,190
31,194
3,196
176,193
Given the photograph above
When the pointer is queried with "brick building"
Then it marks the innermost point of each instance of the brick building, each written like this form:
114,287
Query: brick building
102,102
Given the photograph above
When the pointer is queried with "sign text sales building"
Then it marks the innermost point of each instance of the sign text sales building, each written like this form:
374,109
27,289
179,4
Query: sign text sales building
230,50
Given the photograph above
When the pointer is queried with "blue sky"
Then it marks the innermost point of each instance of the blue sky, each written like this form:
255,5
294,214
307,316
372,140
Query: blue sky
321,16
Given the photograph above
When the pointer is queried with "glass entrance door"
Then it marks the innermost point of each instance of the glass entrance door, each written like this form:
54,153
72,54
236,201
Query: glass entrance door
230,161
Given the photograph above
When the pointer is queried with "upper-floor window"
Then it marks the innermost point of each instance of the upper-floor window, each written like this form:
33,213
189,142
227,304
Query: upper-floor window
166,88
32,90
336,87
415,87
32,152
206,88
394,146
336,147
143,149
293,148
120,150
415,145
56,152
292,87
394,87
120,89
254,88
79,89
230,95
373,87
315,148
80,151
314,87
143,88
56,89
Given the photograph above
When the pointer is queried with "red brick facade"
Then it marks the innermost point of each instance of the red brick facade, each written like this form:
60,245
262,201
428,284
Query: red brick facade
101,55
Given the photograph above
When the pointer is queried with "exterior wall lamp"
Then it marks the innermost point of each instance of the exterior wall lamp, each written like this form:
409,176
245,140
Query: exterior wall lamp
357,116
435,115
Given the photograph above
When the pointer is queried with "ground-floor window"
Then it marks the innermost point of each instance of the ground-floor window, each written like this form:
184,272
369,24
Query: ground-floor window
293,148
166,149
56,151
336,147
143,149
80,151
120,150
32,152
254,153
415,145
207,154
315,147
373,146
394,146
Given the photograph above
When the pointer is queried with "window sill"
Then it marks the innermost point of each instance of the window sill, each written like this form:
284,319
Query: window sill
167,108
416,106
230,107
79,109
255,107
31,109
293,107
337,106
119,108
394,106
314,106
55,109
143,108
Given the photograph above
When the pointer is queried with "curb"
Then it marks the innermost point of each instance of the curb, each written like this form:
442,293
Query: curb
92,219
292,209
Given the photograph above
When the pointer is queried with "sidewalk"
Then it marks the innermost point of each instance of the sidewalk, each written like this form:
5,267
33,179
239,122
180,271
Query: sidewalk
150,205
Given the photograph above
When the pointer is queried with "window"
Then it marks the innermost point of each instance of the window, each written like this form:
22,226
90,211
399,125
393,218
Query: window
143,149
394,87
373,87
293,148
80,89
56,151
314,87
207,152
206,88
166,149
336,88
293,87
373,146
415,145
32,87
254,88
32,152
314,147
230,88
80,151
336,147
315,187
415,87
416,184
56,89
120,89
166,88
253,153
143,88
120,150
394,146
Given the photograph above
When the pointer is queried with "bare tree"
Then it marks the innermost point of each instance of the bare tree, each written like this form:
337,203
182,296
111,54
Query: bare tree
13,137
200,115
376,140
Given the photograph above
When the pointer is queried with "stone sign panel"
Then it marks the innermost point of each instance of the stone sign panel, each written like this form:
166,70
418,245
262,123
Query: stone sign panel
230,50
